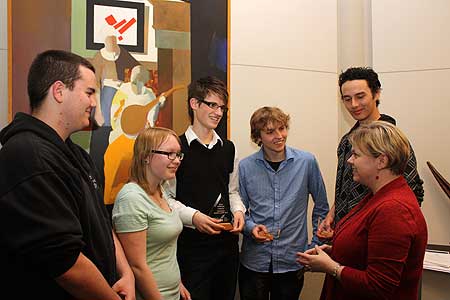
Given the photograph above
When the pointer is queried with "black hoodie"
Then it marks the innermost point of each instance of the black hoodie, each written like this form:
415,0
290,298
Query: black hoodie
51,209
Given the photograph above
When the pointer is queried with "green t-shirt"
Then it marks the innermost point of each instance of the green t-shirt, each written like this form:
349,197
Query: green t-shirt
134,211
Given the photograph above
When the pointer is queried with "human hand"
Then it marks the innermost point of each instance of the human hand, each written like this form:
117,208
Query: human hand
238,222
317,260
125,286
206,224
184,293
325,229
261,234
325,247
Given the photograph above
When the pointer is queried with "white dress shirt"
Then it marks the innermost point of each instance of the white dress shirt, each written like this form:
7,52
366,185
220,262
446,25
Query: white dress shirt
186,213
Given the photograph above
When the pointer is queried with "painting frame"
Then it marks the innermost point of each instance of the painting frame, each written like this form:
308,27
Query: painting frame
39,40
206,41
139,8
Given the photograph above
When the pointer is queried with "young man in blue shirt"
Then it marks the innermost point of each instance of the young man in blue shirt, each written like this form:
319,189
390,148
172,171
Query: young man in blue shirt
275,184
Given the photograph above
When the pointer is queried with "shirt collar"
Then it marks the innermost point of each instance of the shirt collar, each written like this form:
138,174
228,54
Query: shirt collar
289,154
191,135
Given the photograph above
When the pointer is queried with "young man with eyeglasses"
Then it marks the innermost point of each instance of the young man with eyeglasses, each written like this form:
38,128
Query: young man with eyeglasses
208,255
275,184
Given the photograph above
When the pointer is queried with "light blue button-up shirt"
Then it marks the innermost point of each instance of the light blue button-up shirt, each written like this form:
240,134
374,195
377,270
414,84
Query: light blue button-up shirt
279,200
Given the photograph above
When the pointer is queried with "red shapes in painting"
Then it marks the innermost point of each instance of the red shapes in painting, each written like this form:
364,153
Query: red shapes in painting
113,22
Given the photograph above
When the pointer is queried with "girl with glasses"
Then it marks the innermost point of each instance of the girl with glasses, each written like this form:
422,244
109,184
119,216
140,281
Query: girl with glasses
145,224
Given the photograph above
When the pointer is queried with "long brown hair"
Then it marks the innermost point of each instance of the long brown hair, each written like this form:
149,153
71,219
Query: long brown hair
149,139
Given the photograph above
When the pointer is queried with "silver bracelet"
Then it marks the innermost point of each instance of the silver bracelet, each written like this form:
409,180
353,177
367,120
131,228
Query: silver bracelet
335,270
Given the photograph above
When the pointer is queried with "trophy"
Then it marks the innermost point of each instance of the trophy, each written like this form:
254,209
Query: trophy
221,212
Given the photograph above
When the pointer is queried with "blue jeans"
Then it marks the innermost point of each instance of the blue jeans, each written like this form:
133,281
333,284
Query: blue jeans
264,286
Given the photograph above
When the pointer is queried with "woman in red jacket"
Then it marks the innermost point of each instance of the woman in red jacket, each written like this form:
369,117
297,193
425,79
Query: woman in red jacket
378,248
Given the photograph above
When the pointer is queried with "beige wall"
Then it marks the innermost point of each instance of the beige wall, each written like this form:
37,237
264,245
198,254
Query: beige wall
278,60
354,46
288,53
413,59
284,53
3,64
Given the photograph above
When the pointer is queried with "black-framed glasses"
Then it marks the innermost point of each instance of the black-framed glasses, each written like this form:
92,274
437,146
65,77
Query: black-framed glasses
170,155
214,106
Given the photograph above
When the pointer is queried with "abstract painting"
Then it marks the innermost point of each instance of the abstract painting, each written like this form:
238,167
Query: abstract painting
145,52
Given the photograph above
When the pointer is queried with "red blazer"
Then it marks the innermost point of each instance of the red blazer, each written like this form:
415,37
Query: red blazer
381,242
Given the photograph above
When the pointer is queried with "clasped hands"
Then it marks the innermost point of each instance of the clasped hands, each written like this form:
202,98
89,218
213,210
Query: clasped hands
317,259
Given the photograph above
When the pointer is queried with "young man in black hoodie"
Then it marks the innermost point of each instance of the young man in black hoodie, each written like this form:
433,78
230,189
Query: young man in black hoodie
56,239
360,92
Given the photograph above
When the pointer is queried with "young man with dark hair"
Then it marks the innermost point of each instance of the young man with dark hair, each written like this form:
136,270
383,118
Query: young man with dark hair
275,184
56,236
360,92
207,181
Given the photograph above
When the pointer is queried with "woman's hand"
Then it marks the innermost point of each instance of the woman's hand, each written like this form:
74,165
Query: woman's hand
184,293
125,287
317,260
325,247
206,224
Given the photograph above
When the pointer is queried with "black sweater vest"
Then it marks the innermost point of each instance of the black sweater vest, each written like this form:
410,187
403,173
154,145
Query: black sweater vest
203,175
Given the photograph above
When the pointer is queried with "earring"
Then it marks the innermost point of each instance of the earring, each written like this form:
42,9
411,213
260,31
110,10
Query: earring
146,161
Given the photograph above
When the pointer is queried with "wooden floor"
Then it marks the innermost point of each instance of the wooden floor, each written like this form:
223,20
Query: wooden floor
311,288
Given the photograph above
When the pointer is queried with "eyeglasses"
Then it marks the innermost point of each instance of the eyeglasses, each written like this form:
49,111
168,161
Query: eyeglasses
214,106
170,155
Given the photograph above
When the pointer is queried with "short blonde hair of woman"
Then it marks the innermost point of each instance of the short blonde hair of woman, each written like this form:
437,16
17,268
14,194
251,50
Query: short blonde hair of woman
264,116
380,137
149,139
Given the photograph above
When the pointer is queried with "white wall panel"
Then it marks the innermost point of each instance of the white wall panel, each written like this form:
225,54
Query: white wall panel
421,104
298,34
411,35
308,97
3,24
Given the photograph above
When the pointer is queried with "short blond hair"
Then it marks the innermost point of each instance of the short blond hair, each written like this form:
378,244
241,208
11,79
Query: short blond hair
149,139
380,137
264,116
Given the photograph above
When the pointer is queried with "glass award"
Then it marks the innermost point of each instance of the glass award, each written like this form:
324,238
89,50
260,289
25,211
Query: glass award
221,212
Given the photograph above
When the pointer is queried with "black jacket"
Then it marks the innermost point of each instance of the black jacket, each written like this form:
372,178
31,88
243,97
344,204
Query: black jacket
51,209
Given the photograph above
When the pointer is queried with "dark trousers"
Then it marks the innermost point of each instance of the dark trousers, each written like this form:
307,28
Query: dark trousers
264,286
211,272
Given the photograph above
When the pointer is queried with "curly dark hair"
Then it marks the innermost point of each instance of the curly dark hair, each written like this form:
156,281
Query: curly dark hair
361,73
